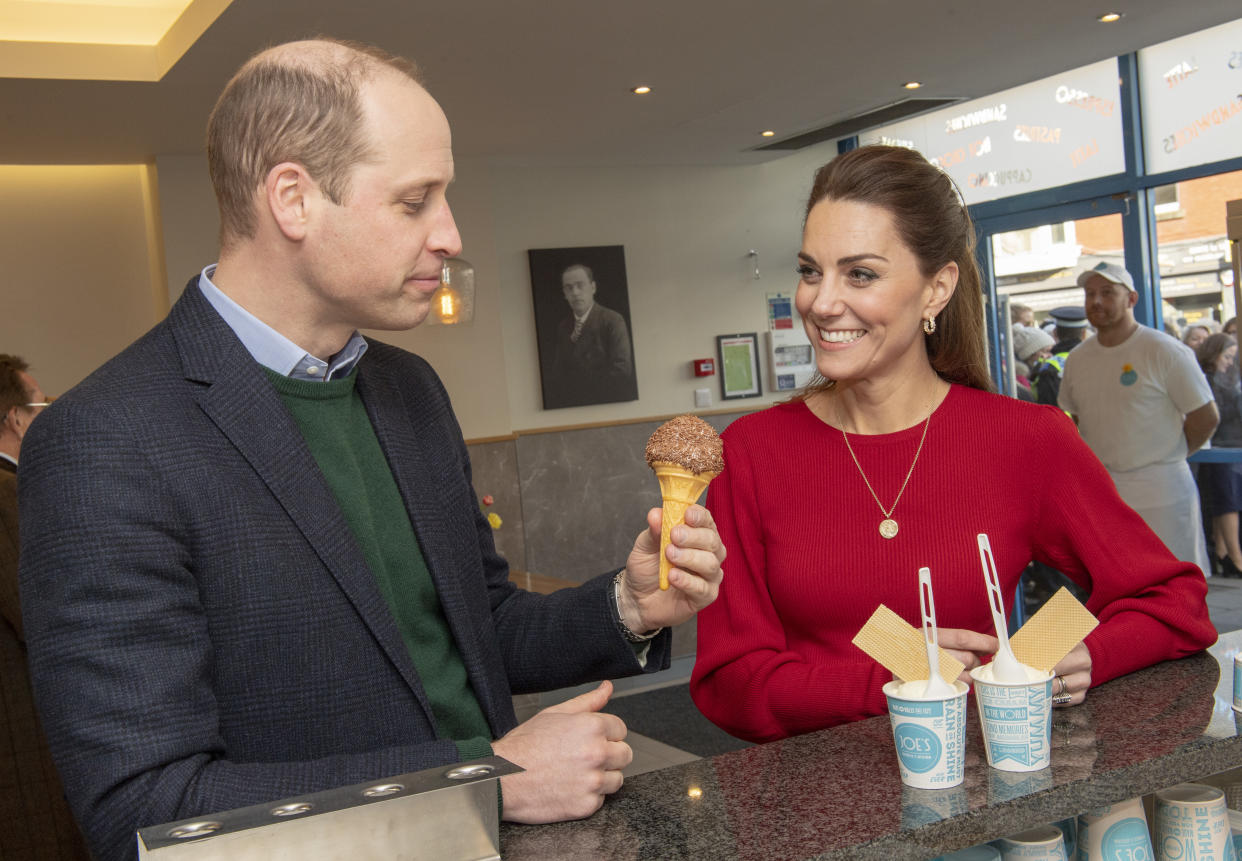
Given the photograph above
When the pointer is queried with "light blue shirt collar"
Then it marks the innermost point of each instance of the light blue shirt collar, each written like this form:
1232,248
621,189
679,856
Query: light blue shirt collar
272,349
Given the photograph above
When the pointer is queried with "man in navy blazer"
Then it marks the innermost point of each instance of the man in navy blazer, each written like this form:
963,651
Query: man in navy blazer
205,629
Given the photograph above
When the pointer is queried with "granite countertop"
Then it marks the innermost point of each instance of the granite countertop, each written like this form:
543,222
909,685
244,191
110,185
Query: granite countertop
837,794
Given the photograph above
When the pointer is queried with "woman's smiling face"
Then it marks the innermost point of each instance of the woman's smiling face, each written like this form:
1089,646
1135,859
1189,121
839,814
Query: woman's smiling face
861,293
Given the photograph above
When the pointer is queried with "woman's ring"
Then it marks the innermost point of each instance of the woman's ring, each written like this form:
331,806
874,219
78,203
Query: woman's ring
1061,699
1064,686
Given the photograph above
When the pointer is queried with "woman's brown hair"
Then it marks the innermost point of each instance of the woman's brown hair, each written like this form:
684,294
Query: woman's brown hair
1211,349
933,223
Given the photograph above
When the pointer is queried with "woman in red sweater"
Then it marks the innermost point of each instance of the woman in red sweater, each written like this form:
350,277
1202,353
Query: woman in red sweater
830,503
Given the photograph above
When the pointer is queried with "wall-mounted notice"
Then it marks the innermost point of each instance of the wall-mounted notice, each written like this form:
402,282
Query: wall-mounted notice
781,311
1191,91
1062,129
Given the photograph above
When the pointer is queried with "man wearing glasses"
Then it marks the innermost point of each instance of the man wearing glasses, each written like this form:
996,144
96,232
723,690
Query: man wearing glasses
41,799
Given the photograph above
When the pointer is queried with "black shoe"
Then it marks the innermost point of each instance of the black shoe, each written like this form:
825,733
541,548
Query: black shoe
1228,569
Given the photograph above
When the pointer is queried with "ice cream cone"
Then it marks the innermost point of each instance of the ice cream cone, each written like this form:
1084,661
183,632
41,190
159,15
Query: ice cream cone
680,488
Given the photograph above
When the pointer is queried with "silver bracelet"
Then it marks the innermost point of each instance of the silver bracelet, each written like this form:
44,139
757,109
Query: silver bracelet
616,614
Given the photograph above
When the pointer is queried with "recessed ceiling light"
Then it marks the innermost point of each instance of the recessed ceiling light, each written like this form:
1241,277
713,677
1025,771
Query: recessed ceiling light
1110,17
767,134
641,91
912,85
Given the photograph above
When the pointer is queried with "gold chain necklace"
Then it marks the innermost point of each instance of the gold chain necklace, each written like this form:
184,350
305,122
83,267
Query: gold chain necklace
888,526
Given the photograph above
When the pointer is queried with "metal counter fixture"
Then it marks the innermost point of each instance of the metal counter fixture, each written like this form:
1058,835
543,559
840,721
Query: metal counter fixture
449,813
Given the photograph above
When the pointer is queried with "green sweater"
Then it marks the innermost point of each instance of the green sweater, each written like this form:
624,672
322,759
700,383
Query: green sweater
338,431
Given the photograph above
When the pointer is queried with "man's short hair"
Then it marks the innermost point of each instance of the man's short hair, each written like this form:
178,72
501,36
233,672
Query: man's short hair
590,273
292,107
13,391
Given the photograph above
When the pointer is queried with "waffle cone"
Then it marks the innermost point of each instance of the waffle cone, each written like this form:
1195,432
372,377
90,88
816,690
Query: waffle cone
679,488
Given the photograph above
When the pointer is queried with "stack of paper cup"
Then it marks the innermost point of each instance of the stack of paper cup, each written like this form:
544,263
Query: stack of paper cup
1044,843
1192,824
1016,720
1117,832
930,735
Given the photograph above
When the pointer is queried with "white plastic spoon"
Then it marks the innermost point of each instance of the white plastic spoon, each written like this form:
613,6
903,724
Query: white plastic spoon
1005,667
937,687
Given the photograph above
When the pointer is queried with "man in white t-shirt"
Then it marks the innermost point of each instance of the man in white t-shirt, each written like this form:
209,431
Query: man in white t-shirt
1143,406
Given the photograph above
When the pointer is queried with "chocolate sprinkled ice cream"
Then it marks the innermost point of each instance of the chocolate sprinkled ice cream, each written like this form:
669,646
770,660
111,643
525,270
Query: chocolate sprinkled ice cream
689,442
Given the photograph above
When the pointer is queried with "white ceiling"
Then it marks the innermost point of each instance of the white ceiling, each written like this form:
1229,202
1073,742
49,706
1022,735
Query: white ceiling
549,79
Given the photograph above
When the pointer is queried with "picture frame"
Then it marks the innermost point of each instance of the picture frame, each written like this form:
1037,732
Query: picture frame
582,325
739,366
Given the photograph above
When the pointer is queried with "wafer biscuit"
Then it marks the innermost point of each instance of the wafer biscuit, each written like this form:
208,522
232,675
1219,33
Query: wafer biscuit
1054,630
899,647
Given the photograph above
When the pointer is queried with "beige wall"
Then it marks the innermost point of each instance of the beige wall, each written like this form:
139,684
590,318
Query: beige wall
82,265
686,232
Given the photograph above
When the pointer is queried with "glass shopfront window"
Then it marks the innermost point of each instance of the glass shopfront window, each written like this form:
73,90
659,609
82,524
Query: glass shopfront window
1063,129
1191,92
1038,266
1192,249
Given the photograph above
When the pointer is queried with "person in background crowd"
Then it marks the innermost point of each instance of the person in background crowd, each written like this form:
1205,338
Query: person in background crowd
1195,334
1230,327
1143,406
37,822
899,455
1068,331
253,564
1032,347
1220,484
1021,315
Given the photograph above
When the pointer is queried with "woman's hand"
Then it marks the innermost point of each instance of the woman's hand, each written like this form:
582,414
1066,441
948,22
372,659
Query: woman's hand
969,647
1072,677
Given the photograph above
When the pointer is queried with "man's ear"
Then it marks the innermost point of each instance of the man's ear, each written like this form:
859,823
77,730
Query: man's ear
1132,299
289,193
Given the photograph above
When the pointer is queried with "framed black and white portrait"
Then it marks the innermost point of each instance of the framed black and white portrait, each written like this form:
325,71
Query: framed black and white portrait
582,323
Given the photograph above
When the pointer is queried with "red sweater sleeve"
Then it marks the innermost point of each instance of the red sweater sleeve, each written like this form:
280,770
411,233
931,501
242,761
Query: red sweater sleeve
747,679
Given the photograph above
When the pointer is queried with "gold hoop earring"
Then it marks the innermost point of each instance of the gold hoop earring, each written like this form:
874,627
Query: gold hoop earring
929,325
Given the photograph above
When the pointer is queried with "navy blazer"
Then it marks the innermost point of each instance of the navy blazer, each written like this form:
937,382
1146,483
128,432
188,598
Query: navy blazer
203,630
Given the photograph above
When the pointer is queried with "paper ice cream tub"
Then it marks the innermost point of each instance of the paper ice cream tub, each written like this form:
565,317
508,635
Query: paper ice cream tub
1116,832
1016,720
929,734
1192,824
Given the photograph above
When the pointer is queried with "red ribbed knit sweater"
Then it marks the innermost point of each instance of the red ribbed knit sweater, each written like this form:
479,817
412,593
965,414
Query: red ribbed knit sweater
807,566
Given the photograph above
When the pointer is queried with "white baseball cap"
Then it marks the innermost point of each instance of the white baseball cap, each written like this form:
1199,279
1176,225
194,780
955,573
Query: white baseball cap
1110,272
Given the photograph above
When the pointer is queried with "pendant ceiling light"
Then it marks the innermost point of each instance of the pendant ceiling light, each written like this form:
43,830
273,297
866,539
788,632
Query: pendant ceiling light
453,303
